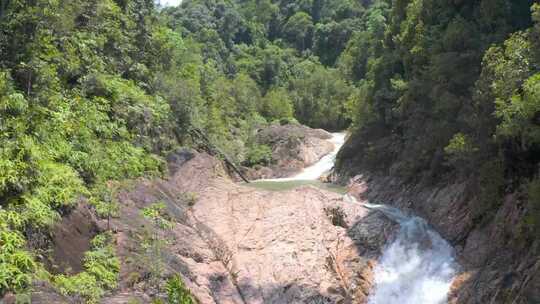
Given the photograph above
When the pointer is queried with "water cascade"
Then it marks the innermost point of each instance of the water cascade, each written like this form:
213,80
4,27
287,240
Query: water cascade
417,267
325,164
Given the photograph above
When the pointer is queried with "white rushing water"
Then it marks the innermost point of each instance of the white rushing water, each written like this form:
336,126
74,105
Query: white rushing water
324,165
417,267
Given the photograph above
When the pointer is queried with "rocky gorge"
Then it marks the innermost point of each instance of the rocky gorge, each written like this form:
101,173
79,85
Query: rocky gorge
228,242
495,268
231,243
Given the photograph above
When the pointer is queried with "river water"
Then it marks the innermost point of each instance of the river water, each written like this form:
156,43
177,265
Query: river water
416,267
310,175
325,164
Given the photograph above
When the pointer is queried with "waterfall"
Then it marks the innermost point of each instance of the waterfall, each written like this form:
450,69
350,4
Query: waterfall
417,267
325,164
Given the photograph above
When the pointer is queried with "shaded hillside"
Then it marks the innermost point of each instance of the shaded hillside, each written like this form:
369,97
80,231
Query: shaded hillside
449,92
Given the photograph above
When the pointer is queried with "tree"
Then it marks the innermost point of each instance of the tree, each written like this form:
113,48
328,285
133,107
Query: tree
299,30
277,105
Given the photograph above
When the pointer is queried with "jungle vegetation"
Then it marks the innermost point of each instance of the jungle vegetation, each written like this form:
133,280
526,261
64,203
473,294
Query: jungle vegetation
95,91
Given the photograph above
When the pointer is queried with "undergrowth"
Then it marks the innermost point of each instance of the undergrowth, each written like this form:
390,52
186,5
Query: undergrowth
101,268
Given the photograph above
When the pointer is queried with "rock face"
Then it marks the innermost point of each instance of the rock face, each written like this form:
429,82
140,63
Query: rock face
71,239
294,147
496,268
235,244
243,245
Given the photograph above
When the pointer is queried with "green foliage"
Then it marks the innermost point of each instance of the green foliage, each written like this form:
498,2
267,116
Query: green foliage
358,107
277,105
319,96
104,201
153,242
533,196
16,264
101,261
460,150
491,184
298,29
177,293
446,90
258,155
459,144
82,285
270,39
189,197
58,185
93,92
101,268
157,213
519,114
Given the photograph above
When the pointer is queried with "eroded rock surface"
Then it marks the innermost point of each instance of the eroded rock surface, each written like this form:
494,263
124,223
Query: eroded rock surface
232,243
237,244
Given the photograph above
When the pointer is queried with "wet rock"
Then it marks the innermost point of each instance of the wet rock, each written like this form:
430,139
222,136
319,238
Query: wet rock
498,266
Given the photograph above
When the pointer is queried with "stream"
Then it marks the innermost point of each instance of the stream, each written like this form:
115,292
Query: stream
416,267
310,175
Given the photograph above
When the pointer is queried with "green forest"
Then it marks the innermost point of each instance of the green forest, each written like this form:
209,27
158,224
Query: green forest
94,92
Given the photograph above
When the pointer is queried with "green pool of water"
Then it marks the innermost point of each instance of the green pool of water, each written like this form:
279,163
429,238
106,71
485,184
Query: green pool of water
288,185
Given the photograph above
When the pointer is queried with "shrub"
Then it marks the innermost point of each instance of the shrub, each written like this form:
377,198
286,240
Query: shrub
102,262
177,293
16,264
460,146
460,151
104,201
153,243
258,155
288,121
157,214
491,182
101,272
277,105
82,285
189,198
